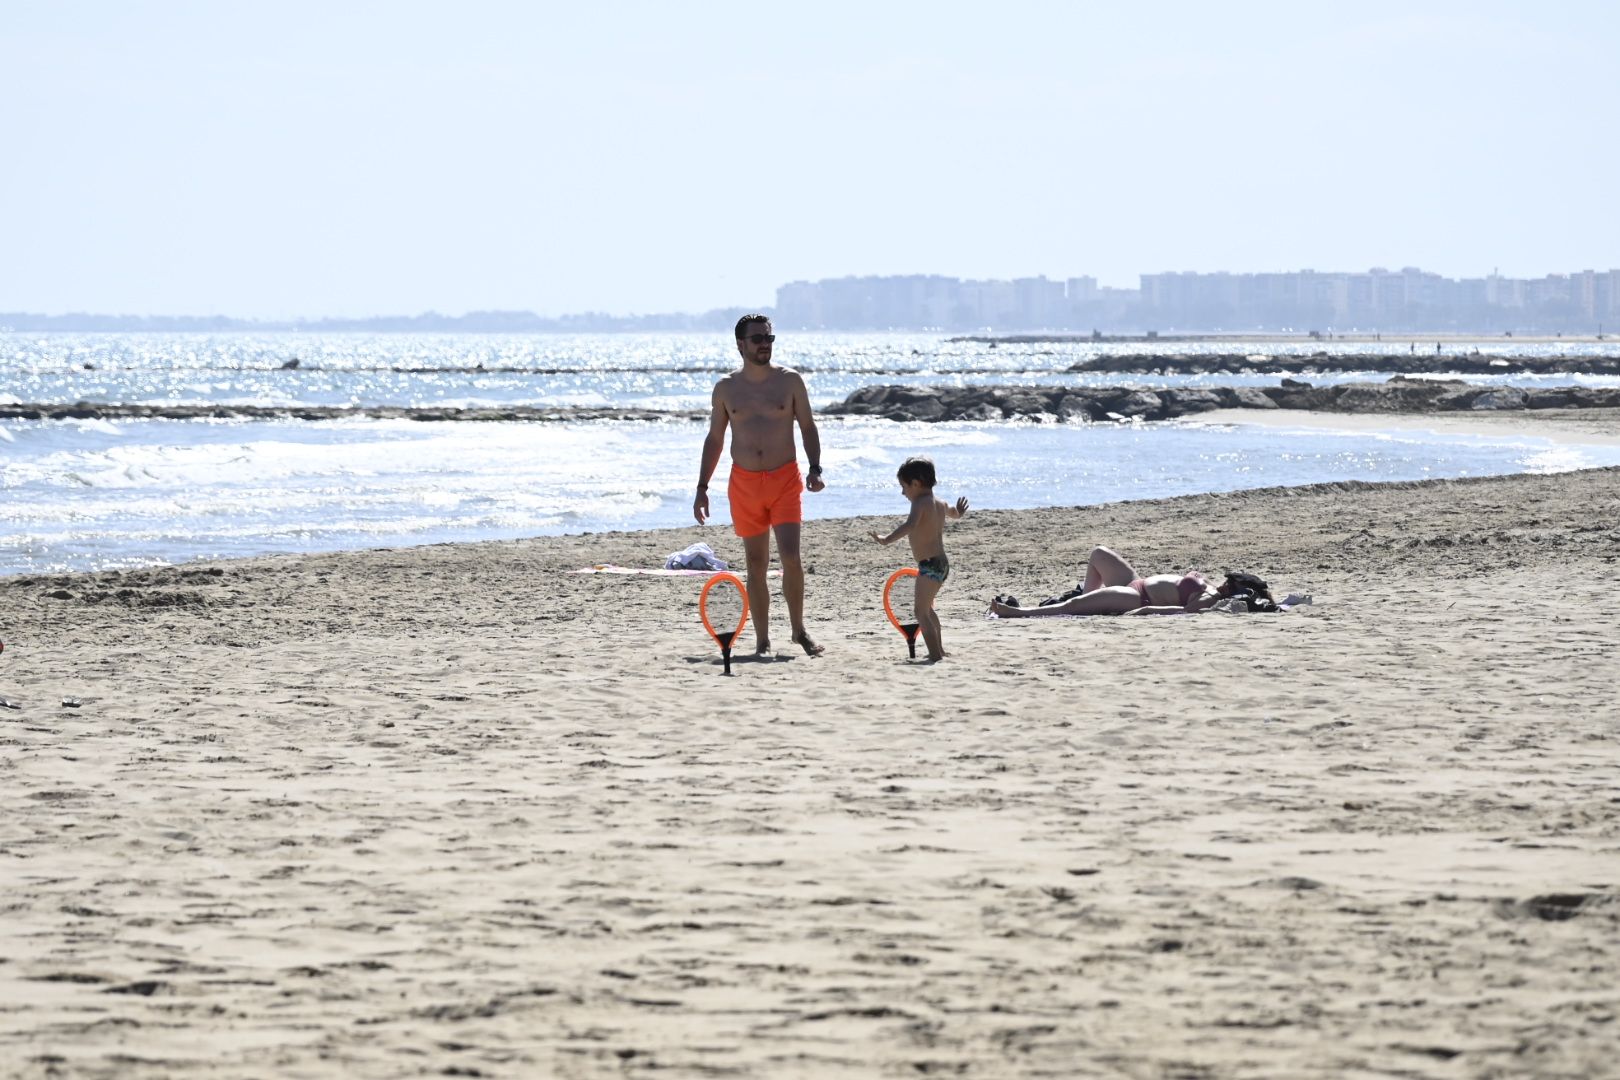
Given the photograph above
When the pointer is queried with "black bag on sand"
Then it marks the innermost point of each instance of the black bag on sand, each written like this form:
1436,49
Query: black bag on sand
1070,595
1253,590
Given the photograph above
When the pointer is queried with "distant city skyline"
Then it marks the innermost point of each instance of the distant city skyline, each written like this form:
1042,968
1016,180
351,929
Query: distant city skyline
302,160
1299,300
1406,299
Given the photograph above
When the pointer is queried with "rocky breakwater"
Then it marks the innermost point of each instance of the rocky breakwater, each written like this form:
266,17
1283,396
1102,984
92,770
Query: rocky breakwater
89,410
1087,404
1399,363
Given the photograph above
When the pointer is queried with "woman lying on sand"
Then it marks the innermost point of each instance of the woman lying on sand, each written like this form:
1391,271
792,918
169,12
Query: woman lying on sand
1113,587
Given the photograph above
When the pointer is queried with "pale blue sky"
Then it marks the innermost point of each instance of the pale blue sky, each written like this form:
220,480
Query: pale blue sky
340,158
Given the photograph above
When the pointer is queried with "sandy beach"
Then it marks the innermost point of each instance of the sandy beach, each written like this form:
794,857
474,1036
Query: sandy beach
457,810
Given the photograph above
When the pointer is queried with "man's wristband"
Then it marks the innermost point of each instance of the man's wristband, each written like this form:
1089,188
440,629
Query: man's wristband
703,487
815,470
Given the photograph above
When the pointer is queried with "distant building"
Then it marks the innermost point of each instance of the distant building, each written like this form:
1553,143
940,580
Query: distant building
1408,299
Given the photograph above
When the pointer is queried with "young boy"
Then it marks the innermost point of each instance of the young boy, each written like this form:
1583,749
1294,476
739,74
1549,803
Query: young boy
926,527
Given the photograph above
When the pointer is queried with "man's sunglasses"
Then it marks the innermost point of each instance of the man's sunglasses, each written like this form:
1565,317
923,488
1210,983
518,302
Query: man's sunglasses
761,339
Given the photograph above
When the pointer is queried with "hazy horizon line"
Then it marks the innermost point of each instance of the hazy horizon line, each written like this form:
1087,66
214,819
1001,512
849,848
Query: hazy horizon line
280,321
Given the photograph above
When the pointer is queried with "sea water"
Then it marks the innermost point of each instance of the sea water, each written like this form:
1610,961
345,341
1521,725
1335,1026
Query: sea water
101,494
651,371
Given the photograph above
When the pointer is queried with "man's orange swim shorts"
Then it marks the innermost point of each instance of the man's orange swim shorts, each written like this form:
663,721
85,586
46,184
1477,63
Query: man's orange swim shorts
762,499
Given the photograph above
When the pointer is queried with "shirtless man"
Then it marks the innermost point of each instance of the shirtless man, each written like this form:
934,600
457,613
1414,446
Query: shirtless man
761,402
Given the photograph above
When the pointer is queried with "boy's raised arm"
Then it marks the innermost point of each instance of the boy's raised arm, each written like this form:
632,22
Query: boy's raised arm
905,527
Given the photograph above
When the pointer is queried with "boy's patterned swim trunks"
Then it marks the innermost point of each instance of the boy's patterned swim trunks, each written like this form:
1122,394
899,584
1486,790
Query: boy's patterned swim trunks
937,568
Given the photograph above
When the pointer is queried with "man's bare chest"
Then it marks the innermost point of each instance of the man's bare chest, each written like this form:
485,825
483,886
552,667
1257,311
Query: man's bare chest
752,402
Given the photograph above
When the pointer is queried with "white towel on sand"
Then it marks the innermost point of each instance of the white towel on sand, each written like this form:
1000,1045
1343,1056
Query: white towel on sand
696,557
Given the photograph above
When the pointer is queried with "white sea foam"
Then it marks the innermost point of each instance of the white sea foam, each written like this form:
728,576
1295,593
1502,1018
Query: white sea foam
1556,459
307,486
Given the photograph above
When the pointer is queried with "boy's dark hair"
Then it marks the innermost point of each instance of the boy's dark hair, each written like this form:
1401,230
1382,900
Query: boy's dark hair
917,468
742,324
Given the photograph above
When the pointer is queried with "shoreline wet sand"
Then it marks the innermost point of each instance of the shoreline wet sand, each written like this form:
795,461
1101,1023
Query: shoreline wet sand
1593,427
457,810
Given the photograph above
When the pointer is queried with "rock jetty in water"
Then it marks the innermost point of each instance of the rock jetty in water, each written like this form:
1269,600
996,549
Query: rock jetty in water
1083,404
1340,363
89,410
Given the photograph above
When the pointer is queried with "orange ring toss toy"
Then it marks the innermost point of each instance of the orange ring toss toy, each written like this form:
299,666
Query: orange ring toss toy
723,638
909,630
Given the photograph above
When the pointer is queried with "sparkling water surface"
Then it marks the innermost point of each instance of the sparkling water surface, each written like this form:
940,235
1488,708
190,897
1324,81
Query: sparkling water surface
653,371
101,494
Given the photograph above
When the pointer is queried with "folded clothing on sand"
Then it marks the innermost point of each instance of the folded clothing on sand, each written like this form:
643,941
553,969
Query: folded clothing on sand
697,557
